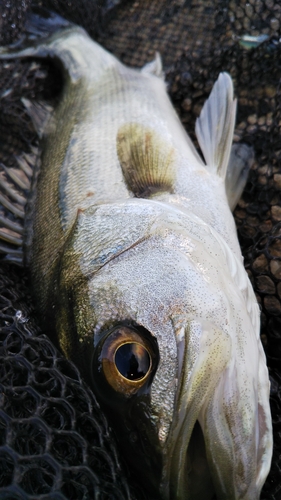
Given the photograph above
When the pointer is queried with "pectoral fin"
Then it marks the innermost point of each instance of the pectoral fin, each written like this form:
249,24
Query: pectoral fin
146,159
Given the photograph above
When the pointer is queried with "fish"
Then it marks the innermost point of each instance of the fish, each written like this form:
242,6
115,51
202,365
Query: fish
138,274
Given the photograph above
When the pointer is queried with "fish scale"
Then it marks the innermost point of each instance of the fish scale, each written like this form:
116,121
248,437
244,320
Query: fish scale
216,383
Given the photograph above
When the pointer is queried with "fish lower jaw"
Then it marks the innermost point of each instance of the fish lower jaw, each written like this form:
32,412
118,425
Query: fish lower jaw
188,473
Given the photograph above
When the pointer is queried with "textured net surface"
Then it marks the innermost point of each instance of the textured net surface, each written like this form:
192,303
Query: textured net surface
54,440
197,39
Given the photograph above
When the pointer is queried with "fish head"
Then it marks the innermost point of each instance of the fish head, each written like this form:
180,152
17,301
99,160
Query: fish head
161,318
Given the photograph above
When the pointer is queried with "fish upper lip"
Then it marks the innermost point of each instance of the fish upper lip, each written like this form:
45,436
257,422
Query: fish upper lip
199,401
180,472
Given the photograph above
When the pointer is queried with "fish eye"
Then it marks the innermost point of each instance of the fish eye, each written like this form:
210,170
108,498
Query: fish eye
127,360
132,360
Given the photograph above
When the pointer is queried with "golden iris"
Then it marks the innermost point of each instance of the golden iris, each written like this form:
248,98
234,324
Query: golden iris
126,360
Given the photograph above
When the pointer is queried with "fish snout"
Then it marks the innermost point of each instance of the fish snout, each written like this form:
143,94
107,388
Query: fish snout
236,424
220,438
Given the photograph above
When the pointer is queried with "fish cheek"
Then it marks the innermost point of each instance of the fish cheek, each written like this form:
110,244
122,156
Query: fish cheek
75,319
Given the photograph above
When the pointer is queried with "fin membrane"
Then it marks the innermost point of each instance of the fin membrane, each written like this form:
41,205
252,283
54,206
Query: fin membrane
42,22
40,114
215,125
15,183
49,35
147,161
154,67
15,186
240,162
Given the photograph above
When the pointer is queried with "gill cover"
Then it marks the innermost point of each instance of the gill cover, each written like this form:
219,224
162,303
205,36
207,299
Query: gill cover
222,376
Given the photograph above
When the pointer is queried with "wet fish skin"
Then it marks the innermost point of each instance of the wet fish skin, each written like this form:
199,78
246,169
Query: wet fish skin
152,247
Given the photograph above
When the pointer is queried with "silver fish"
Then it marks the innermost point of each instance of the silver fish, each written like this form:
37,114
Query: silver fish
136,266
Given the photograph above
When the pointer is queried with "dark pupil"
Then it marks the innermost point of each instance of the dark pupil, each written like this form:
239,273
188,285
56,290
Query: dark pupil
132,361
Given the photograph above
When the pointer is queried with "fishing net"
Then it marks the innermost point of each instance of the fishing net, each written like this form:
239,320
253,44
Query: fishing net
54,440
43,399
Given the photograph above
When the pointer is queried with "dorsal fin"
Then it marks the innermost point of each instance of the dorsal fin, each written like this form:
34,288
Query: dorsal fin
15,183
15,187
147,160
215,125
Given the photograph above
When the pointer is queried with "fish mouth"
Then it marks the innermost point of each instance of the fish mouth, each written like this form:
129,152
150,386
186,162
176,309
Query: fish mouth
187,475
190,475
203,353
219,444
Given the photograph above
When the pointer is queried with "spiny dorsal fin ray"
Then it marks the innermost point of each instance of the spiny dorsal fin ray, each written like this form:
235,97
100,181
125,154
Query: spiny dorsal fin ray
15,185
12,207
24,163
40,114
215,125
147,161
10,236
9,224
13,256
18,177
9,189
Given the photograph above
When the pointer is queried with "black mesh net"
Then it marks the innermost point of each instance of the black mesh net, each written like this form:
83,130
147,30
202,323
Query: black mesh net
54,440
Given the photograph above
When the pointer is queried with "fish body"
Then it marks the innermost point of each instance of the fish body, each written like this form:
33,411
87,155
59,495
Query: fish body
136,267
